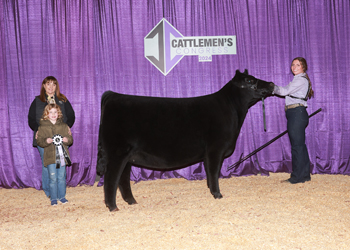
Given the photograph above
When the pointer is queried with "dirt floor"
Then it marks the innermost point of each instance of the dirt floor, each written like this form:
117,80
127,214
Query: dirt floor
257,212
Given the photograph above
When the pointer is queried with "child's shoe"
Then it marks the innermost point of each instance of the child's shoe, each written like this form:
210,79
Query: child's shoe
64,200
54,203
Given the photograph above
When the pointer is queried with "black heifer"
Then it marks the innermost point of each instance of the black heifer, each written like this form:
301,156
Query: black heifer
171,133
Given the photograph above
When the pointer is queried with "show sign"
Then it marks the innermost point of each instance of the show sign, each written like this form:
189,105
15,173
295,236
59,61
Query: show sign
165,46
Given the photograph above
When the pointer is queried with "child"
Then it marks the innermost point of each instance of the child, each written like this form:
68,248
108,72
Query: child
51,125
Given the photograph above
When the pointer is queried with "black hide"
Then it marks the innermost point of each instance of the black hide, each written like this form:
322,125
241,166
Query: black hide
171,133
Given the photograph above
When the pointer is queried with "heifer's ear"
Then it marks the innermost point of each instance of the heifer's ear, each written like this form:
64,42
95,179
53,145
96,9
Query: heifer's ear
245,72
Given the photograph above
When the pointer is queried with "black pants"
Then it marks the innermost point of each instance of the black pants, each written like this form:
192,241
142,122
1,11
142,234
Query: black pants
297,121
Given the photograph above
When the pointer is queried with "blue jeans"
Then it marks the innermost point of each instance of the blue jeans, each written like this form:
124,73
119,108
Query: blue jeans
297,121
57,182
44,173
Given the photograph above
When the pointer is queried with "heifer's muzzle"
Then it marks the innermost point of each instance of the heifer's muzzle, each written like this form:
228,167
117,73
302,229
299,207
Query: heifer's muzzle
264,91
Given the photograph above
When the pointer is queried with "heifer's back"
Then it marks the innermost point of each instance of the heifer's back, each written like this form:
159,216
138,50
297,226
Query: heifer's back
170,133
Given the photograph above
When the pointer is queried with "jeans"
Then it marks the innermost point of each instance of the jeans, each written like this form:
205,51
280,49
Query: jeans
297,121
57,182
44,173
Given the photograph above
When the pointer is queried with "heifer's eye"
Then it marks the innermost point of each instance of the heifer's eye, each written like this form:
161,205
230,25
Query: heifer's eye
250,82
247,80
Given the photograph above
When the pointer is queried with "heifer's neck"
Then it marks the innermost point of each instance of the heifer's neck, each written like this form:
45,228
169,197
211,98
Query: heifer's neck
239,101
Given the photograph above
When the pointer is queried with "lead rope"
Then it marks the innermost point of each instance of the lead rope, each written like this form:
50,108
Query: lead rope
263,106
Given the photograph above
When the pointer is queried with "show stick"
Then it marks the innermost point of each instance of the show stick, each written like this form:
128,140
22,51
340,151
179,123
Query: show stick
265,145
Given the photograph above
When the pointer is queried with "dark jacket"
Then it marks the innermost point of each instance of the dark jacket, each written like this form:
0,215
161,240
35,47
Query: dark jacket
48,130
36,111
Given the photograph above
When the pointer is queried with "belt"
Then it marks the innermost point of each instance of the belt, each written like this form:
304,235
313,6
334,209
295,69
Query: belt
292,106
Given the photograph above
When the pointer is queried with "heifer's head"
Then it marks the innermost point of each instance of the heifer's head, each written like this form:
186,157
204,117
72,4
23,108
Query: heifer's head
254,89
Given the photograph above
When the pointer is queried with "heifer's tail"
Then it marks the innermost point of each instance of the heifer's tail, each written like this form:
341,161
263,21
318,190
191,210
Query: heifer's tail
101,161
101,166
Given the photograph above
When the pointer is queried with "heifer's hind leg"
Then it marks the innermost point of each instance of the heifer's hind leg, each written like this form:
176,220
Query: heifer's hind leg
115,167
124,185
212,165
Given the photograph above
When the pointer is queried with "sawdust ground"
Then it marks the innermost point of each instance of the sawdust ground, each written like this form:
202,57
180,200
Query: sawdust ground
257,212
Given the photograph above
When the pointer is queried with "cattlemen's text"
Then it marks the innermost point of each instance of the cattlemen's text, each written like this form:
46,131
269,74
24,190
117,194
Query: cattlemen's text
201,42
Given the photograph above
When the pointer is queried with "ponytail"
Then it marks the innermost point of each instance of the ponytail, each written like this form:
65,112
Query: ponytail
311,92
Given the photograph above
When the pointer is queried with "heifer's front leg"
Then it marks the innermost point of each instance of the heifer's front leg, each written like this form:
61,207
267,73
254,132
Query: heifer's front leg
124,185
212,165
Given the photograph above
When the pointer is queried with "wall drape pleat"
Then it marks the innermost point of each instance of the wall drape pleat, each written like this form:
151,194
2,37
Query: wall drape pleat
94,45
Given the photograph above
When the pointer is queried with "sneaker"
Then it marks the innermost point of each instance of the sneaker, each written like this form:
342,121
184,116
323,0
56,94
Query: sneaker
53,203
64,200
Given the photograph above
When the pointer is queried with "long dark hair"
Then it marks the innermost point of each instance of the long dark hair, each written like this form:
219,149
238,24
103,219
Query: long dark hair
304,65
59,95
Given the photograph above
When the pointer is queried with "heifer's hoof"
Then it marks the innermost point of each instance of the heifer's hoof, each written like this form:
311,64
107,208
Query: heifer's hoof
132,202
112,208
217,196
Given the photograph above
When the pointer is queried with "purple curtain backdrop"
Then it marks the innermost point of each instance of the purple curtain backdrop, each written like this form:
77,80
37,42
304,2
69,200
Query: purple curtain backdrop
92,46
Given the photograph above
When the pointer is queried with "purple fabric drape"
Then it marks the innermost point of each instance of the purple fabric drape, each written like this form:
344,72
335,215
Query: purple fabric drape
92,46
